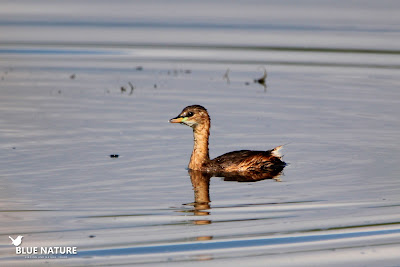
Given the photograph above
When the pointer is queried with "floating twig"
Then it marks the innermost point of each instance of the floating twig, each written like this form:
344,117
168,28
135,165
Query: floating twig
263,79
132,88
226,76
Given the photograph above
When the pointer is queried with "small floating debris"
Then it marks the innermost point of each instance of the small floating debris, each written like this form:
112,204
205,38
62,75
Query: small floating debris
177,72
139,68
226,76
132,88
114,156
73,76
92,236
124,90
262,79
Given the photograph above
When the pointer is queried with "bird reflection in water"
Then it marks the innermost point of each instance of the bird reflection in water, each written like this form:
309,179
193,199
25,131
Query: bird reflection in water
201,186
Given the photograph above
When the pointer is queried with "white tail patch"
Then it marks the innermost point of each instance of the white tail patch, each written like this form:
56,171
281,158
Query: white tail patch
276,151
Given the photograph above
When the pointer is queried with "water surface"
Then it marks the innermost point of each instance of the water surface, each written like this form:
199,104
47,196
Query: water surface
331,95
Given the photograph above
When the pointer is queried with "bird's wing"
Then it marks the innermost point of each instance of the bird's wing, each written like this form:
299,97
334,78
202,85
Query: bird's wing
12,239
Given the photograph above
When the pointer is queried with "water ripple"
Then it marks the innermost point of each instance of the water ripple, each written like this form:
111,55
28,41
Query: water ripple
233,244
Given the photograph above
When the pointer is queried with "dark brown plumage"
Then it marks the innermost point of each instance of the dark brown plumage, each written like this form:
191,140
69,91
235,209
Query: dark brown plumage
197,117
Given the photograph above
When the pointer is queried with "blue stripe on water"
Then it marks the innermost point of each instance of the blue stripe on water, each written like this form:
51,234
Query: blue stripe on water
218,245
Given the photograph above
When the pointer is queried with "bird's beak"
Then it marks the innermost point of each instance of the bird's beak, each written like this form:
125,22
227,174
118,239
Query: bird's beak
178,119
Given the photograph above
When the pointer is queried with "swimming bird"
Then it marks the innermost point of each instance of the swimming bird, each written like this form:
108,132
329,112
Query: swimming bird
198,119
17,241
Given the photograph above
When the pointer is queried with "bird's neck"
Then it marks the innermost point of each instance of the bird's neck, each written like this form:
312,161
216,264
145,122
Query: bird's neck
200,148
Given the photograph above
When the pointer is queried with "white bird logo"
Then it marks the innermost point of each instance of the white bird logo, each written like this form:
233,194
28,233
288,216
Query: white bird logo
17,241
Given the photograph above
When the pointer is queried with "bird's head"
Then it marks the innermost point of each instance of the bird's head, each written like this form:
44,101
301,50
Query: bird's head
192,116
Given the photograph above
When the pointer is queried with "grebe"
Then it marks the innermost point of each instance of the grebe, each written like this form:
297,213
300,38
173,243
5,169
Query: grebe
197,118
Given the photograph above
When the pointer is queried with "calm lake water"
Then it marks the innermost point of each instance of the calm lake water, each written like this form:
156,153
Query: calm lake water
80,81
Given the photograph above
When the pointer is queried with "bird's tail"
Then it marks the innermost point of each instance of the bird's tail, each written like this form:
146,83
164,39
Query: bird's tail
276,151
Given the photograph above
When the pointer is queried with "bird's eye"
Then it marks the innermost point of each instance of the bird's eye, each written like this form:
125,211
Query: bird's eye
190,114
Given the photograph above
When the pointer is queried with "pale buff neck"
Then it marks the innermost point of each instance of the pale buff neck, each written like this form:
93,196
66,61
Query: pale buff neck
200,148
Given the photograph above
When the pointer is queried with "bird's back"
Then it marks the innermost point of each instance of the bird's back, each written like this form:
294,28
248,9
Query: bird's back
247,160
